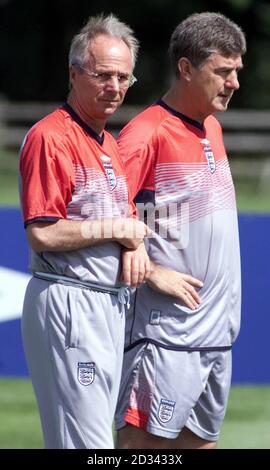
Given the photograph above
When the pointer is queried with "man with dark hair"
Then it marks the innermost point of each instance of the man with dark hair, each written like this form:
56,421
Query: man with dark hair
177,365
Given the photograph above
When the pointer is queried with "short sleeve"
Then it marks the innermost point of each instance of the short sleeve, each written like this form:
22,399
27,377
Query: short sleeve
47,177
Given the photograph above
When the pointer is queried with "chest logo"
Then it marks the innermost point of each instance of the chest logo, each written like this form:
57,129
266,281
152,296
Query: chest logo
109,171
209,155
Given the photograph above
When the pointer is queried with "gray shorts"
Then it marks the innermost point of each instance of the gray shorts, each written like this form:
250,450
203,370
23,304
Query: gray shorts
73,340
164,390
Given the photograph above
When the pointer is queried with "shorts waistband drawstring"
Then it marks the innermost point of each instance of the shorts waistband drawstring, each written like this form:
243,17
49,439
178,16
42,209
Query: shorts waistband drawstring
124,296
122,293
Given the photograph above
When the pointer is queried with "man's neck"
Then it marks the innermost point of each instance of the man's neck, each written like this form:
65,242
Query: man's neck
180,100
97,125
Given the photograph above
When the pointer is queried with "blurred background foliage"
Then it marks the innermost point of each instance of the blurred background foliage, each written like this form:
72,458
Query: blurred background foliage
35,38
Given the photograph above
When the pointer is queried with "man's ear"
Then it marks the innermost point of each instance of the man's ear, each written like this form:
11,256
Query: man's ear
185,68
72,74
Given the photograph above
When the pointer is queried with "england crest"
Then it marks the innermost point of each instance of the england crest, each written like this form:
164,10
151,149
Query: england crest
107,165
166,410
86,372
209,155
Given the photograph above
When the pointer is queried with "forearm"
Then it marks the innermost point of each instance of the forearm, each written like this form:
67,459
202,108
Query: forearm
63,235
69,235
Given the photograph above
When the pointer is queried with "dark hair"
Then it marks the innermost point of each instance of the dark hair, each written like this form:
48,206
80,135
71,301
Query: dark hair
201,34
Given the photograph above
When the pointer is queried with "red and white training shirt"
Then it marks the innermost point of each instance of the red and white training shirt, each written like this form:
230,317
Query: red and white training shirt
179,168
70,172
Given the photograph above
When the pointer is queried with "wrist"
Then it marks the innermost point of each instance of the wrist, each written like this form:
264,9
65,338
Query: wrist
151,273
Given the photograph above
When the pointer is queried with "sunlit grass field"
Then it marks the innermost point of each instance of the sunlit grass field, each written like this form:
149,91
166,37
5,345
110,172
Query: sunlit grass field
247,422
246,426
19,420
9,163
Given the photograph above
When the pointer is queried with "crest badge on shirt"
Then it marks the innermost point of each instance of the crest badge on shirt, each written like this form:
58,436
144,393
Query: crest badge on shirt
86,372
107,165
166,410
208,152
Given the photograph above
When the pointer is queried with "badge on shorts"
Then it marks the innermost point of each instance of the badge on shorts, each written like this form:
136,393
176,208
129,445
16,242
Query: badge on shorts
86,372
166,410
107,165
208,152
154,317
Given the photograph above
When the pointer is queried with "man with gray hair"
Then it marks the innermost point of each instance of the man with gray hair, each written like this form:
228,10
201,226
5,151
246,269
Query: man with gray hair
177,364
78,219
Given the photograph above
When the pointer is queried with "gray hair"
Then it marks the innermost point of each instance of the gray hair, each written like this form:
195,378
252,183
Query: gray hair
96,25
201,34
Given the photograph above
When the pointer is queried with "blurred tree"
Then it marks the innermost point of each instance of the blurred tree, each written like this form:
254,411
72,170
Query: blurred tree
35,38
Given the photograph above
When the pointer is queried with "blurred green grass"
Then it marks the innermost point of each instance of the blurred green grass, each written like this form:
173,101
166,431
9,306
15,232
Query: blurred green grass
9,164
252,188
19,420
246,425
247,421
